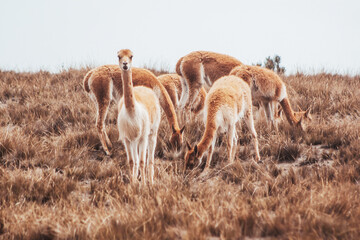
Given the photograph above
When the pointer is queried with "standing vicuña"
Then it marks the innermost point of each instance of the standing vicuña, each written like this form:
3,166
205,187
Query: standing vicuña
268,88
104,83
201,67
138,120
172,84
228,100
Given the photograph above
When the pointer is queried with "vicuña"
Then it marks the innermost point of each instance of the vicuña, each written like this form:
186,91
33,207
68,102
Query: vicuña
138,120
268,88
228,101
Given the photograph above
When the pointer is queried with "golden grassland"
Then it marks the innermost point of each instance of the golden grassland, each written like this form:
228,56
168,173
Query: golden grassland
56,182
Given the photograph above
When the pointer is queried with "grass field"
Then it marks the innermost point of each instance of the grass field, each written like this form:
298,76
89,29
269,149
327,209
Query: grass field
57,183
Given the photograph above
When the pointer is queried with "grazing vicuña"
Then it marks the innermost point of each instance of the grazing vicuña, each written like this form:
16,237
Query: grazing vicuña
228,100
268,88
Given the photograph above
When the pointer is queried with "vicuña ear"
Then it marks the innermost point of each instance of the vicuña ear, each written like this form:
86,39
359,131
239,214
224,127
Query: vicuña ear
280,112
173,129
182,129
196,149
298,124
188,145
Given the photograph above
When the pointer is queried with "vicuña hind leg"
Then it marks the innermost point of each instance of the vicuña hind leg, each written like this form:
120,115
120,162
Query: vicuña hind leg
194,92
194,81
249,120
270,114
275,116
231,143
267,106
135,153
100,125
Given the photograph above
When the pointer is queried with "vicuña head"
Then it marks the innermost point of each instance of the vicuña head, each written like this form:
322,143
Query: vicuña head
125,59
192,158
176,138
304,118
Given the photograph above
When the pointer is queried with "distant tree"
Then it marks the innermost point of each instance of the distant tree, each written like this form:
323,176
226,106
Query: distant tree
273,64
269,63
277,60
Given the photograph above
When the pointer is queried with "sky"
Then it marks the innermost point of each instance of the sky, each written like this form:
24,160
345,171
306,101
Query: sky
309,35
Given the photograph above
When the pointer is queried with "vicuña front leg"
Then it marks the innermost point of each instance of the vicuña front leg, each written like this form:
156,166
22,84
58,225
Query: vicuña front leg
135,170
210,154
193,95
151,151
130,157
142,159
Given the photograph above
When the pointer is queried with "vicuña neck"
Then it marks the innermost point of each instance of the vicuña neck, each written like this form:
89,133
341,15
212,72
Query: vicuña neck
167,106
207,138
128,93
289,113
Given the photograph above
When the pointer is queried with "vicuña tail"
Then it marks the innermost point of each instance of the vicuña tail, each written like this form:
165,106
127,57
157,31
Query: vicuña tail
86,81
178,65
184,86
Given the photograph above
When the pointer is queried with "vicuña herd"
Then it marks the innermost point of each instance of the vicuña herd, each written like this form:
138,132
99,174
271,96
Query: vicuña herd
234,87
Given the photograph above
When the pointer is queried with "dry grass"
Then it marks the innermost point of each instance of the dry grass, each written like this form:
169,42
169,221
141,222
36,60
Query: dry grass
56,183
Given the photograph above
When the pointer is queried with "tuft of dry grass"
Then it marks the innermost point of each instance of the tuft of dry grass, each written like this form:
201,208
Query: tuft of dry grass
56,182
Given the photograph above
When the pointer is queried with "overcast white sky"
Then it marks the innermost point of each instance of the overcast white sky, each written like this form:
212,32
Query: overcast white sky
310,35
